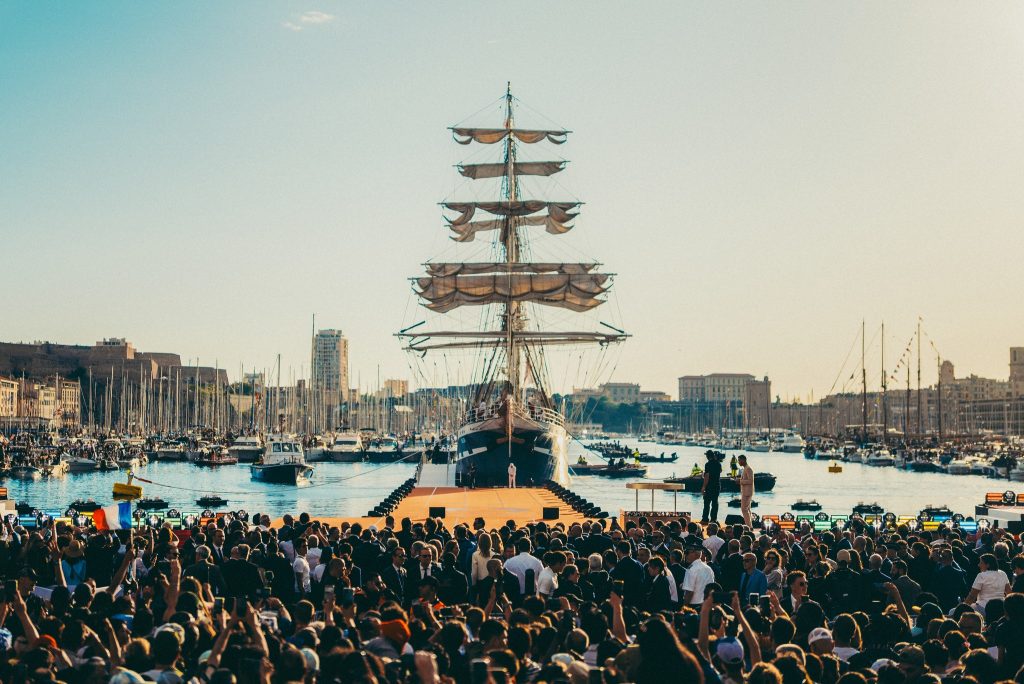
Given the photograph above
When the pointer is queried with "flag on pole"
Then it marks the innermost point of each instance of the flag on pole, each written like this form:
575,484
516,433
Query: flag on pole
116,517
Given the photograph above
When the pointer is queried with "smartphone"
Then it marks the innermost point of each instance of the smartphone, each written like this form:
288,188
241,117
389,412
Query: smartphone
753,599
328,591
765,605
619,587
10,590
269,574
243,608
722,597
229,604
218,605
347,597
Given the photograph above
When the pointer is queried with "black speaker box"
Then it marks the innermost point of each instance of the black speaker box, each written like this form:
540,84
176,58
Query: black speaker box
551,512
438,512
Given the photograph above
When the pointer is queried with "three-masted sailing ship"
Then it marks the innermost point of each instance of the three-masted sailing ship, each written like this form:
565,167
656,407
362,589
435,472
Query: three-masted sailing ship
511,418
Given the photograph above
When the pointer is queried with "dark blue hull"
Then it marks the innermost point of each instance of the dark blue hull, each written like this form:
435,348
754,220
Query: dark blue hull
537,455
288,473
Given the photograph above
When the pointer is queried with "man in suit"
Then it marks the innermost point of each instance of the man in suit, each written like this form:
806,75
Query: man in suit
217,555
425,568
508,584
241,577
454,587
206,572
630,573
753,580
394,575
658,593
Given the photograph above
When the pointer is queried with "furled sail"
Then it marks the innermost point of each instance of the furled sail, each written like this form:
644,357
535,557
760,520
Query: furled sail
559,211
478,171
466,232
578,292
442,269
489,136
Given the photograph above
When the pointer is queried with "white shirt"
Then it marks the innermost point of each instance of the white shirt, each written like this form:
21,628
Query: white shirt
547,582
713,544
844,653
673,588
313,556
698,576
990,584
518,565
301,569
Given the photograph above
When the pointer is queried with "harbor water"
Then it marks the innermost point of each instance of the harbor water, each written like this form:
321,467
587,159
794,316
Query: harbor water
351,489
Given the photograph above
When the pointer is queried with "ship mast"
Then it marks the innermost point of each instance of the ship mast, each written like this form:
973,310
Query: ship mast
510,242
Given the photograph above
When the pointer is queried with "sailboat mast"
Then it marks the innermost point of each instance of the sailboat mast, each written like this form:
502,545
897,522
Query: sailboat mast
919,376
863,384
885,409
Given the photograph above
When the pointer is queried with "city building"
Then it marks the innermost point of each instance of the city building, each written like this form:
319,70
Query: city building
68,413
1017,372
330,364
621,392
8,397
714,387
394,389
648,396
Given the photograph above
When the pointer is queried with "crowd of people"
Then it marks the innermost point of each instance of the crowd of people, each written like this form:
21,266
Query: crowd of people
245,601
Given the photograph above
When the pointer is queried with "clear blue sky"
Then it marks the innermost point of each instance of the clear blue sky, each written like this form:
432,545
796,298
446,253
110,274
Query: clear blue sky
203,177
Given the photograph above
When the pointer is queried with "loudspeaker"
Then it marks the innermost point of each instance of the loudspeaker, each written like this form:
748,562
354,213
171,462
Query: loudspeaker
438,512
733,519
551,512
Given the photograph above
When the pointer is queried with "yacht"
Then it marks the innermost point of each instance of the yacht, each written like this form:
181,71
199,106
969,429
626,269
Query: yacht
283,461
246,448
318,450
347,448
82,464
171,452
959,466
880,457
792,443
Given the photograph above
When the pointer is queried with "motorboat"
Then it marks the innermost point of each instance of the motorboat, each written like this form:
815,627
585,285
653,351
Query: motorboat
171,452
802,505
792,443
737,503
662,458
855,456
211,501
283,462
84,505
246,448
82,464
347,447
620,469
937,512
959,466
151,503
880,457
26,472
868,509
214,455
318,450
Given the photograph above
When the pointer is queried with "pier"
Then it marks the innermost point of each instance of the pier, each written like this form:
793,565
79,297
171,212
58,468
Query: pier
459,505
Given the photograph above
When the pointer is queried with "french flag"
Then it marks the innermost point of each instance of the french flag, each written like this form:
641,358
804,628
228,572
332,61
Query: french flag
116,517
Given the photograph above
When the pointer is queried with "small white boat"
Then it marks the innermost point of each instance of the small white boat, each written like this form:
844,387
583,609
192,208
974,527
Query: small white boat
82,464
792,443
26,472
959,466
855,457
347,448
247,448
880,457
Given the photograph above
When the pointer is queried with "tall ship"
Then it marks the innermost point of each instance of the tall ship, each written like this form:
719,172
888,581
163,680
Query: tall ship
509,415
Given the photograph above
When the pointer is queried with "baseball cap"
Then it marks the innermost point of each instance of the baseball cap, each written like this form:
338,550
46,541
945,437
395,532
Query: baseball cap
729,650
818,634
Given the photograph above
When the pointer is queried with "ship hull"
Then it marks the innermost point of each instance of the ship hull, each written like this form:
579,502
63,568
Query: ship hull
537,448
286,473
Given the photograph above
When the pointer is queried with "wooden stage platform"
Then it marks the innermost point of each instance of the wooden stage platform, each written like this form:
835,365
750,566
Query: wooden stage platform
494,505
